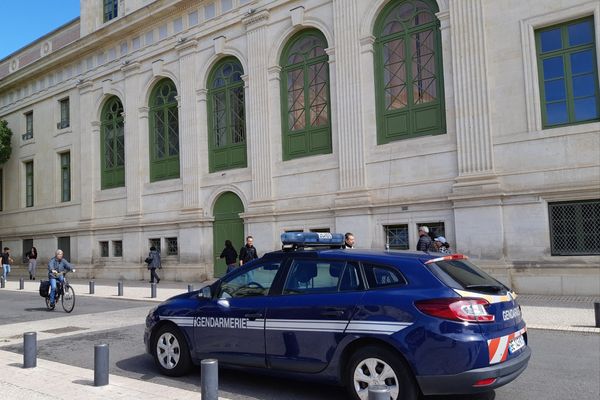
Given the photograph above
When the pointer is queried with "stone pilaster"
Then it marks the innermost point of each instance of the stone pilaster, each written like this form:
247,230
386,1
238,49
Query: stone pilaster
189,142
90,132
473,127
349,120
133,130
257,106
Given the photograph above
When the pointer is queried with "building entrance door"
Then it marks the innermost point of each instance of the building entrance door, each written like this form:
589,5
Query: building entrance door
227,226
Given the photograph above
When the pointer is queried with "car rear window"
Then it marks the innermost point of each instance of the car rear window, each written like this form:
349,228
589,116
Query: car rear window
462,274
379,276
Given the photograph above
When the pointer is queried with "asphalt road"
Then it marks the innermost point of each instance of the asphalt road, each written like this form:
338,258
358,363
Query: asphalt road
563,366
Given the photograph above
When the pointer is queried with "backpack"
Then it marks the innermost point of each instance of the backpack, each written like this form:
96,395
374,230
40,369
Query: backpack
44,288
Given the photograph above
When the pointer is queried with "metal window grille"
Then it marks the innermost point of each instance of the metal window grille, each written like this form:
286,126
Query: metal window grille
29,184
575,228
103,249
397,236
117,248
155,243
172,247
435,228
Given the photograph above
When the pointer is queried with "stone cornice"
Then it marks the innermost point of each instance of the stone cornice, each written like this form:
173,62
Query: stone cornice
256,20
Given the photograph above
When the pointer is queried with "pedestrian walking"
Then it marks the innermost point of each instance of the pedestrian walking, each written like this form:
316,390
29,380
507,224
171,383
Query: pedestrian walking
248,252
6,261
348,241
32,256
153,261
425,242
230,256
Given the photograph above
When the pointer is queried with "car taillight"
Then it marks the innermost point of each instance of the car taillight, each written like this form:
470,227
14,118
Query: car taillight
457,309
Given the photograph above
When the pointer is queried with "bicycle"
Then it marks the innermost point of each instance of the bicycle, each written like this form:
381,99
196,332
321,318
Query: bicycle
64,292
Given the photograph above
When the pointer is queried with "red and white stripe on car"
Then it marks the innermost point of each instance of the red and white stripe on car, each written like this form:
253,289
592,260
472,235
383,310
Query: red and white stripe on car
498,347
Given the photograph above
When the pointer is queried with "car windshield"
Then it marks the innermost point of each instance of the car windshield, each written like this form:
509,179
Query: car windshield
462,274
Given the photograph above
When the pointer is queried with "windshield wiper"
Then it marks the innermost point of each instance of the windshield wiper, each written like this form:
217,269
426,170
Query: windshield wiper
486,288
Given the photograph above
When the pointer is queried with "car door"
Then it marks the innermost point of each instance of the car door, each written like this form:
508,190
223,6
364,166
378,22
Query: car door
306,323
230,327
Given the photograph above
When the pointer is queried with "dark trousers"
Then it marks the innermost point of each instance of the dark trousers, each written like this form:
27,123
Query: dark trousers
153,275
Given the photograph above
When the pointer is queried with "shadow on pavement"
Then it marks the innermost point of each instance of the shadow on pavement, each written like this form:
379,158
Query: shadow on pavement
84,382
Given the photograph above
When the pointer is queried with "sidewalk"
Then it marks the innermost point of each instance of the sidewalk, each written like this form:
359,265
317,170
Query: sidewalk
50,380
562,313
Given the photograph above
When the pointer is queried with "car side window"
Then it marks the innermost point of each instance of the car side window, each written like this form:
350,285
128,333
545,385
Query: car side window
308,276
379,276
255,282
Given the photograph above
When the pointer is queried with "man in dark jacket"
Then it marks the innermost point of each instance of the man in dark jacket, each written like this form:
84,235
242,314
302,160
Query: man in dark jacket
230,256
425,242
153,261
248,252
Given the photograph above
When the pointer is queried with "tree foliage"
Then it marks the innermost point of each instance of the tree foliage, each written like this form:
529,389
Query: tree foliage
5,139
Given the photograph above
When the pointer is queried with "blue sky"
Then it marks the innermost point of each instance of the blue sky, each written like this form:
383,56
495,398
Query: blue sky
26,20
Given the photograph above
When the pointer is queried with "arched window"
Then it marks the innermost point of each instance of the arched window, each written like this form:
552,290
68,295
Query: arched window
408,71
226,116
305,96
112,143
164,131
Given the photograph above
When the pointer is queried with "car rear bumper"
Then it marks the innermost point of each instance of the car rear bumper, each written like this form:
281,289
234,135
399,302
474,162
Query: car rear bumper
463,383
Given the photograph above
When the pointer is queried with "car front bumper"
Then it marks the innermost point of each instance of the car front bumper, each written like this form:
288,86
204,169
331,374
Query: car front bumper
463,383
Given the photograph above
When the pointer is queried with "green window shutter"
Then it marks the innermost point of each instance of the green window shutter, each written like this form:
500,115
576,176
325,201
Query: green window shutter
65,119
111,8
29,184
164,132
408,71
65,175
112,144
226,116
568,76
305,99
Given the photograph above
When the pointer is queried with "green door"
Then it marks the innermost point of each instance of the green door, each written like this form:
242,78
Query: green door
227,225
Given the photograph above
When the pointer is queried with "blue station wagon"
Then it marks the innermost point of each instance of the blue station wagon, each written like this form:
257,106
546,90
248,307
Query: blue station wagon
416,322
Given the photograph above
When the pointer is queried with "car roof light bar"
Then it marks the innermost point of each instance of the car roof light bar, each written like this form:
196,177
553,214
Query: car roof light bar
294,240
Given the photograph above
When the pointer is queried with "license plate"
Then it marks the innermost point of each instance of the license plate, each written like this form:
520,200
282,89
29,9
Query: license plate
516,344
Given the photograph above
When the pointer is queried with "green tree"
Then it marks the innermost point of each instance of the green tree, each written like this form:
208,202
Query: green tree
5,137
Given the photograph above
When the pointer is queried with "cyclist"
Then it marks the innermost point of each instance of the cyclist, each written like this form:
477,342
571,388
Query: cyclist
56,266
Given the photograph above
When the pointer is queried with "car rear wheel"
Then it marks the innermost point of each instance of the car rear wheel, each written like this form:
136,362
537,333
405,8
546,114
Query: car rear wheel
374,365
171,352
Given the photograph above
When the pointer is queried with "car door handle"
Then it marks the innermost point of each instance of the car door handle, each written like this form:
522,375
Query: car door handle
333,312
253,316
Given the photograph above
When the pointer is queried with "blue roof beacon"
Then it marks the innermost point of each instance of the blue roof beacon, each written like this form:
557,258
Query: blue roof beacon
295,240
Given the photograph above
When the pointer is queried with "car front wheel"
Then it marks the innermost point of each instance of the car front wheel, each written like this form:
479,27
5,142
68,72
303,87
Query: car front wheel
171,353
376,366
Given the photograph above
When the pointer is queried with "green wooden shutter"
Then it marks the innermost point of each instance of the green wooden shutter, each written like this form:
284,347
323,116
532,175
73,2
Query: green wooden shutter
408,71
112,144
65,175
164,132
305,98
226,116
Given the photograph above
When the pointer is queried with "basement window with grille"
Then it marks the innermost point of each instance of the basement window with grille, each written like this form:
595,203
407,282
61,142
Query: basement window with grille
575,228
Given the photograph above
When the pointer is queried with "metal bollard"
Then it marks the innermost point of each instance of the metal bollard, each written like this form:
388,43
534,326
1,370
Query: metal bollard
92,287
597,314
190,288
29,350
379,392
209,382
153,290
21,283
2,282
100,365
120,288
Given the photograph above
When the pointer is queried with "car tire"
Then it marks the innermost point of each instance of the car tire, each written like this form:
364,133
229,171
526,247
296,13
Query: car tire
376,365
170,351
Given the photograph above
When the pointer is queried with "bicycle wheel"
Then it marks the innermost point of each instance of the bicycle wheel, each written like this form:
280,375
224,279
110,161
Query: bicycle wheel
68,298
48,304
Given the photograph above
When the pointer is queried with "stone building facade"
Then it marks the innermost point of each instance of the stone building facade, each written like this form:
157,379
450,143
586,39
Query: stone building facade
182,123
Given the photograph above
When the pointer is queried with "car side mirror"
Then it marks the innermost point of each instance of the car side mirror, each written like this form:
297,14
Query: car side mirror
205,293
